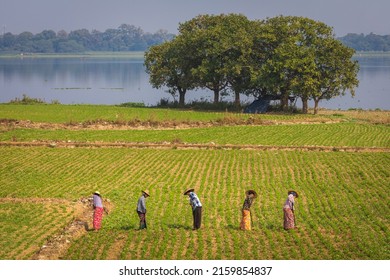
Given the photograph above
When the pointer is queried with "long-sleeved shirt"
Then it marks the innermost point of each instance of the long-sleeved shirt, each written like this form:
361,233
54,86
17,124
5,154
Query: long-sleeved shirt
141,205
97,201
289,202
247,203
194,201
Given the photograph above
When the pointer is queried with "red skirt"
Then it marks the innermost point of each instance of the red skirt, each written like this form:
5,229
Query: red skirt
97,218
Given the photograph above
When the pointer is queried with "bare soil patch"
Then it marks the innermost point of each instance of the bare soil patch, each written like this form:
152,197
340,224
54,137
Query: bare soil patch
175,145
58,244
143,125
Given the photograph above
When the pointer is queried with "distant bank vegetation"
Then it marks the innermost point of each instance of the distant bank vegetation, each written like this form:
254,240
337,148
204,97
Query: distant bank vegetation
370,42
124,38
131,38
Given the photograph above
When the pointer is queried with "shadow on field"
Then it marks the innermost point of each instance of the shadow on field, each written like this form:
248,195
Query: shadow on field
128,227
233,227
179,226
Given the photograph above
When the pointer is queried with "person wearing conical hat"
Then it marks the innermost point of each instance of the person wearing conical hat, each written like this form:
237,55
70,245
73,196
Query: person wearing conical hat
196,208
288,210
141,209
246,220
98,210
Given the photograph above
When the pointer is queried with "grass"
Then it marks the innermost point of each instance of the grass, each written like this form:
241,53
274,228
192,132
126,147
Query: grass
57,113
25,226
342,135
342,211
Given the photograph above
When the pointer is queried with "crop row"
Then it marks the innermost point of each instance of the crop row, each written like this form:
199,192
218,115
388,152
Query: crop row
26,226
342,210
84,113
333,135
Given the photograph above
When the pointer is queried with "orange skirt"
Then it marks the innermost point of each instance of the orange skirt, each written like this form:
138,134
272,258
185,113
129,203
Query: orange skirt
246,220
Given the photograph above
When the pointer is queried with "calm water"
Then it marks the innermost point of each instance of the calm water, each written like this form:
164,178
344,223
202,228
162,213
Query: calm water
115,81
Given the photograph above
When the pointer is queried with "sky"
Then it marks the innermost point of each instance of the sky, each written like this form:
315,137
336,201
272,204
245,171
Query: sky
345,16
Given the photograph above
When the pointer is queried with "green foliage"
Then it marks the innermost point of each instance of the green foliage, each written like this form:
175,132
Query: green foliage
303,59
203,105
25,226
83,113
342,212
132,104
26,100
287,56
169,65
295,135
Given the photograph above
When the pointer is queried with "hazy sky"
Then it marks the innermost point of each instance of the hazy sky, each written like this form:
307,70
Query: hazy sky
345,16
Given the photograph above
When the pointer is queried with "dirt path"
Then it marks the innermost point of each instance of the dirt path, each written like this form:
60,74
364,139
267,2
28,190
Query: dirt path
147,125
170,145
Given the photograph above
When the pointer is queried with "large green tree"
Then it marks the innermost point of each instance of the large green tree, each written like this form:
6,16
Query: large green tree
302,58
169,65
284,56
221,46
336,72
202,39
239,51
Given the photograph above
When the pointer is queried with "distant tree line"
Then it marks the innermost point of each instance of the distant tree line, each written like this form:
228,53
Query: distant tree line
370,42
124,38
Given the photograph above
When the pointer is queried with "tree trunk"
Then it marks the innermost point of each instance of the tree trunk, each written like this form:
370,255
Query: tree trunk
216,96
182,93
284,102
237,101
305,107
316,101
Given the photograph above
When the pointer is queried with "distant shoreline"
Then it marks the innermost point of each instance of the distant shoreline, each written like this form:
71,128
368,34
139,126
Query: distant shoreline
371,54
131,55
128,55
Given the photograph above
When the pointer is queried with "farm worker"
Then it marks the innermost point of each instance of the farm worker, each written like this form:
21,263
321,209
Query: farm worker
141,209
98,210
196,208
288,209
246,220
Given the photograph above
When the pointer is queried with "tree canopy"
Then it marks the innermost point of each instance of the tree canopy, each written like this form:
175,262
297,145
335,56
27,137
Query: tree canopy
286,57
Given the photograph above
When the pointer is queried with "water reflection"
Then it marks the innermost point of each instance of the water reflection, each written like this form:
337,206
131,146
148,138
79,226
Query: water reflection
115,81
374,86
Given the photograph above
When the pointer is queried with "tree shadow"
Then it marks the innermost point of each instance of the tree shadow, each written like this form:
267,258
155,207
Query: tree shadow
128,227
233,227
176,226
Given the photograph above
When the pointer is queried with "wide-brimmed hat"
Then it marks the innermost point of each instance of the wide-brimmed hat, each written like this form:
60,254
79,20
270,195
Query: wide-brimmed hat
188,191
146,192
248,192
294,193
97,192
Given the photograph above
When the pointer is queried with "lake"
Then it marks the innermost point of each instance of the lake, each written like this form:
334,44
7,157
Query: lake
113,81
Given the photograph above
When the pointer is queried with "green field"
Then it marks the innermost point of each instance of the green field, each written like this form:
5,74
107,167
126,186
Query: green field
342,211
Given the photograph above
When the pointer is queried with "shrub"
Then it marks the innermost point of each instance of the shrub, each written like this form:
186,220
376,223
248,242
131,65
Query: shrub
26,100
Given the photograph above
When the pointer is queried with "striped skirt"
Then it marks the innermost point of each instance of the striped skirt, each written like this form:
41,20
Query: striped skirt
289,219
97,218
142,220
246,220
